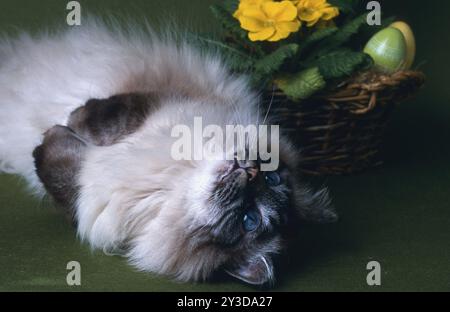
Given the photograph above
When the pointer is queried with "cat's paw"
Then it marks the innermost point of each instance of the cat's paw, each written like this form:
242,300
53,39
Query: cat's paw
57,161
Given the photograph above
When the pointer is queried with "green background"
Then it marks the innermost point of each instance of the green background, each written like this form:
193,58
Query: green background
398,215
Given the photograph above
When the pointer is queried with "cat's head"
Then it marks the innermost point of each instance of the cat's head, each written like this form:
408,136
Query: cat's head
187,219
245,213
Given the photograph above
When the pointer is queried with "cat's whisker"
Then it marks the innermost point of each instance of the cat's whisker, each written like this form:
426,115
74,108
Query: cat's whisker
270,105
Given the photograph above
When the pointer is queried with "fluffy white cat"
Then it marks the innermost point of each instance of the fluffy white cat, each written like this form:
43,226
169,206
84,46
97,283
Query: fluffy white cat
87,114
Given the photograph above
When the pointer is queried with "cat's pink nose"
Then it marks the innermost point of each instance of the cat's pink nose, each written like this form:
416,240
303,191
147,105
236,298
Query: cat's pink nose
251,167
252,173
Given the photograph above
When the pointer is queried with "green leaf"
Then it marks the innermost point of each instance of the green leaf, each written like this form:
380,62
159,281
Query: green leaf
316,37
302,85
236,60
343,35
385,22
228,21
231,5
348,30
272,62
341,63
234,32
347,6
238,63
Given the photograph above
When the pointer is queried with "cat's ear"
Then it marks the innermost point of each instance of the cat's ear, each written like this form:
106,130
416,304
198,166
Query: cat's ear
105,121
257,270
314,205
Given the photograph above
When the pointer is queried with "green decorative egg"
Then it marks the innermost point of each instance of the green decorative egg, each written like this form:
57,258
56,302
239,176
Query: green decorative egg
410,42
388,49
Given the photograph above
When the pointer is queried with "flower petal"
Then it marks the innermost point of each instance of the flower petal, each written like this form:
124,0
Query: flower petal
279,35
262,35
251,24
309,16
288,26
238,13
254,12
280,11
248,4
312,23
330,13
316,4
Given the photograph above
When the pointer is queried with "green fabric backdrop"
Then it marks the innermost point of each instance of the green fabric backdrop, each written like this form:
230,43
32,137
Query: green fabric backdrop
398,215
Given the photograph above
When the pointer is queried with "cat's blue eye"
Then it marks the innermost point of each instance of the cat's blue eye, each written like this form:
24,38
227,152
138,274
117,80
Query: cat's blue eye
273,178
251,220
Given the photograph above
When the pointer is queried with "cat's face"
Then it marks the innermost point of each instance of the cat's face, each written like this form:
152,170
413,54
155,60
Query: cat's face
256,210
245,210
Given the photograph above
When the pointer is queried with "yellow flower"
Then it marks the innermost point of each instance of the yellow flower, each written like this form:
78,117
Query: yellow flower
245,4
268,20
313,11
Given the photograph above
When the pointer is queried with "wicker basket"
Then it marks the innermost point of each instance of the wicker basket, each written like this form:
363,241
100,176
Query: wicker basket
341,132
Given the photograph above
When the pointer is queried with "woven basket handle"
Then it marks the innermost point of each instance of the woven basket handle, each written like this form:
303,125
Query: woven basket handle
369,108
371,89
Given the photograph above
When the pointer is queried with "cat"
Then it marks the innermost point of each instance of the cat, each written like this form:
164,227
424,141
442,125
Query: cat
86,115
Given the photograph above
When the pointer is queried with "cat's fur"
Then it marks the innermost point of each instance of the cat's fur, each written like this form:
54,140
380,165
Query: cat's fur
88,115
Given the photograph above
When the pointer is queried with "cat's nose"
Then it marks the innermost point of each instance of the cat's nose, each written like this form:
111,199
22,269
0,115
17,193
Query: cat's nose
252,173
251,167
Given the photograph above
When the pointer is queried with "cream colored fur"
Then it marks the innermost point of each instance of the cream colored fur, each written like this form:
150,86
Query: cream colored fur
132,193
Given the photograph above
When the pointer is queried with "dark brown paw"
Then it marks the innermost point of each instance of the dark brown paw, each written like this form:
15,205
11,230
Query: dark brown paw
58,160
